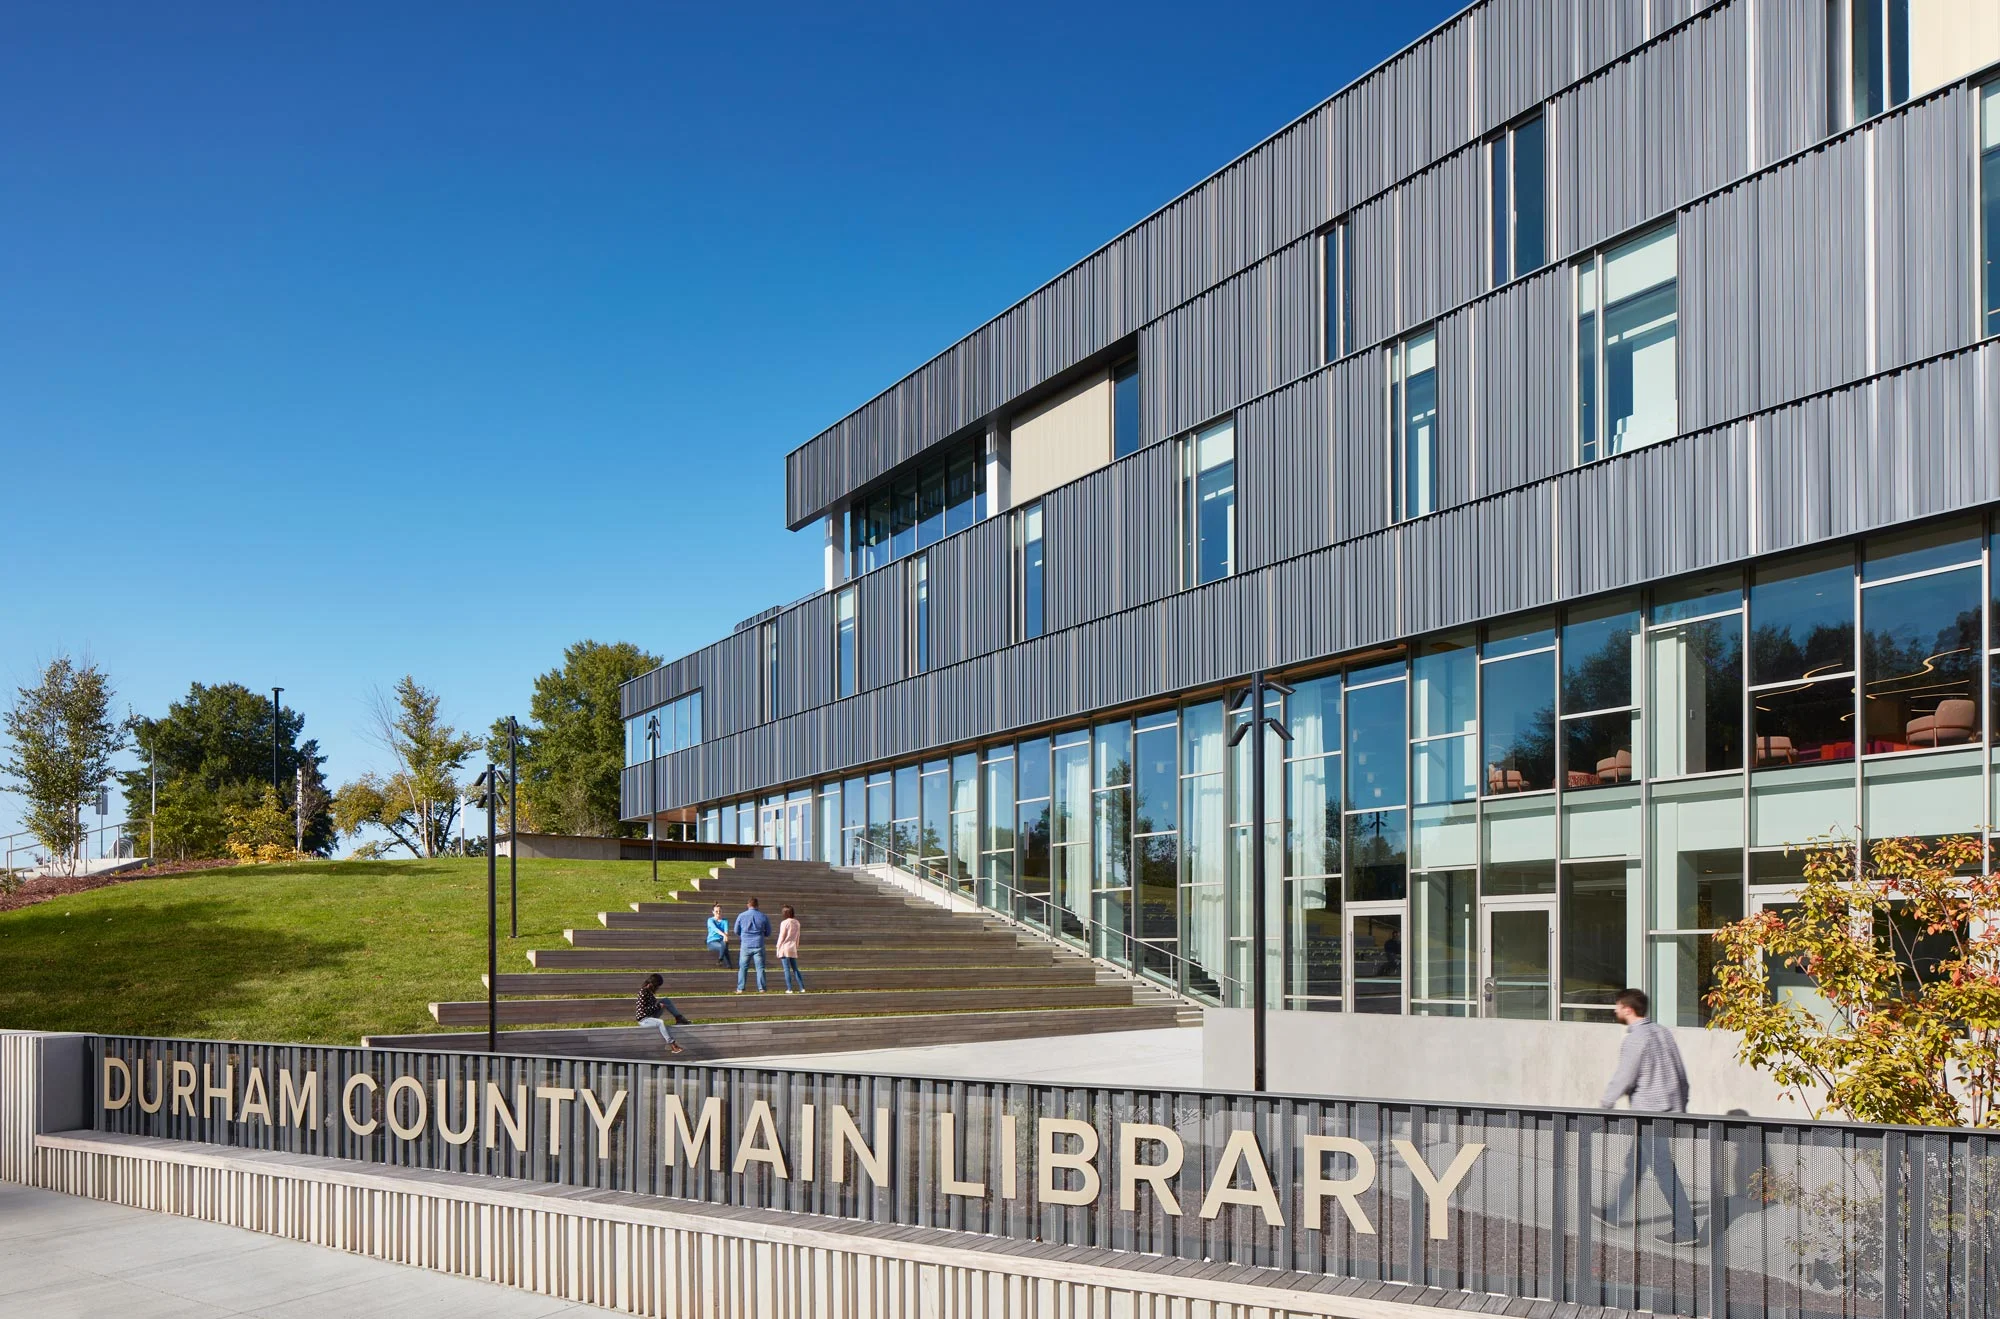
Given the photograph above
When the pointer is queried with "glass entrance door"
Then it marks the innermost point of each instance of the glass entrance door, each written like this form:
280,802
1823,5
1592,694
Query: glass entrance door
1518,947
798,826
1375,936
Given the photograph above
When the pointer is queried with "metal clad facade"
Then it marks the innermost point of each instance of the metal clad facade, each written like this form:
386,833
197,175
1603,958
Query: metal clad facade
1827,384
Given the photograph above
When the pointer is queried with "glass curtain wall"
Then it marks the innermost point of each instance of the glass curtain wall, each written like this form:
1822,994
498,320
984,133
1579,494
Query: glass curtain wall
1628,327
1516,820
943,496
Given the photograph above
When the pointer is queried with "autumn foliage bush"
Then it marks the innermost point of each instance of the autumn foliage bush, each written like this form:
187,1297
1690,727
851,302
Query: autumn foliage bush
1899,949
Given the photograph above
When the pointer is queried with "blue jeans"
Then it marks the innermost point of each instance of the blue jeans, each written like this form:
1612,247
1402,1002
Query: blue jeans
743,964
721,951
793,980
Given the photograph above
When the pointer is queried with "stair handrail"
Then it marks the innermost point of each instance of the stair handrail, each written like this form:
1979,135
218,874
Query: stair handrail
1225,982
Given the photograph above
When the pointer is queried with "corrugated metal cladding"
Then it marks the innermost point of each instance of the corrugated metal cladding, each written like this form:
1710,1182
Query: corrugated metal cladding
1112,543
1488,65
1905,445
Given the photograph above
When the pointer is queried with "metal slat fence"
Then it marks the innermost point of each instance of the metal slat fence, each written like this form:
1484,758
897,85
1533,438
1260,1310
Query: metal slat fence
1792,1219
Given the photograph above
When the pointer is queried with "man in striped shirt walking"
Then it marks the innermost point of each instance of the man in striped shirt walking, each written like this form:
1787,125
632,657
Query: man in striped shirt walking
1651,1074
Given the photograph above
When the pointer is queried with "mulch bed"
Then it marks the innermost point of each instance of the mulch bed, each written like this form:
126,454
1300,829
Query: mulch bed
56,886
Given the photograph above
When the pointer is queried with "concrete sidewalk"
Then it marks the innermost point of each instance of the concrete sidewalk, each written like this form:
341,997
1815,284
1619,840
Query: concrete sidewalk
62,1256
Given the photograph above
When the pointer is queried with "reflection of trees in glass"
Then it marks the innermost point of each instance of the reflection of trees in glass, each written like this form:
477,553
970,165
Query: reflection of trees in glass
1528,748
1778,652
1601,679
1941,666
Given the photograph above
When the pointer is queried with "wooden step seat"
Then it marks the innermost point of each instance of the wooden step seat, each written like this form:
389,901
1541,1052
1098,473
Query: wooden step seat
722,1041
692,956
868,922
731,1006
704,980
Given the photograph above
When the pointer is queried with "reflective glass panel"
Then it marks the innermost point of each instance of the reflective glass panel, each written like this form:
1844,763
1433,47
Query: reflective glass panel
1312,715
1697,697
1377,856
1155,780
1376,746
1597,749
1804,723
1443,677
1802,618
1593,935
1599,643
1530,197
1518,723
1125,410
1378,962
1920,661
1312,816
1442,913
1312,943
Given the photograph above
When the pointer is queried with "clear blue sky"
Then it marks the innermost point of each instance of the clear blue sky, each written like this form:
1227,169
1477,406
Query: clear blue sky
343,341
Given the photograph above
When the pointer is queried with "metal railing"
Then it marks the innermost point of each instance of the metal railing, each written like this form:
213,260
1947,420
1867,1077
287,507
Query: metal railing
1040,914
21,850
1796,1219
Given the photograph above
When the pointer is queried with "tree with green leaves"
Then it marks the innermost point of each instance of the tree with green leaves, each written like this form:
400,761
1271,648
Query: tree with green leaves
61,738
212,752
572,747
417,803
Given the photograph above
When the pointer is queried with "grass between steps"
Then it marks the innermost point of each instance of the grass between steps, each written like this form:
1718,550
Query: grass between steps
319,952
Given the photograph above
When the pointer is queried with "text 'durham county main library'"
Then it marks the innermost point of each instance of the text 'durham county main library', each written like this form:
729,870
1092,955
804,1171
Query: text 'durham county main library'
1594,427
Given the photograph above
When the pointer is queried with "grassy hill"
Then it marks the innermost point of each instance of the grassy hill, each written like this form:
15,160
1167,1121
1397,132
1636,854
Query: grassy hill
319,952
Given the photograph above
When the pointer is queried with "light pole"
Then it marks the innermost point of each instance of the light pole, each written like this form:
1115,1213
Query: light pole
277,731
1259,935
653,788
513,838
484,786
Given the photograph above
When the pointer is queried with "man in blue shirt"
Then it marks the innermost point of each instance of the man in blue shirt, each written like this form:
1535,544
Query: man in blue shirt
752,928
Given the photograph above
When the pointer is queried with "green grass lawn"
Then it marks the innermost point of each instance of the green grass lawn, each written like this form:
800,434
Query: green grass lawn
319,952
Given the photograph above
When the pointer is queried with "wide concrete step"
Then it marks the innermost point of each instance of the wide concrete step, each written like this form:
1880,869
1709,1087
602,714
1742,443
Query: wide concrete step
867,956
951,937
722,1041
731,1006
625,984
849,921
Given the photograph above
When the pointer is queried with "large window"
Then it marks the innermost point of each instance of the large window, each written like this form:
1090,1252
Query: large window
1336,259
1802,661
1517,172
1029,617
1600,695
1413,397
1868,58
1627,329
679,728
1517,682
1989,202
844,642
941,496
1920,639
1313,815
1125,409
1208,517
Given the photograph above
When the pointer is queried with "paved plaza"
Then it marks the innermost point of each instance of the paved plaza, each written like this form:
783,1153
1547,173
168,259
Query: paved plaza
62,1257
1166,1059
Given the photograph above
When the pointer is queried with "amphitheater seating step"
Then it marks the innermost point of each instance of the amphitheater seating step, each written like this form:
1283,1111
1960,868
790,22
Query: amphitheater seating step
886,967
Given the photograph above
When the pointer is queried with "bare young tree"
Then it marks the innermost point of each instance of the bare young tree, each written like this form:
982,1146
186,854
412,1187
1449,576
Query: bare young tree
61,738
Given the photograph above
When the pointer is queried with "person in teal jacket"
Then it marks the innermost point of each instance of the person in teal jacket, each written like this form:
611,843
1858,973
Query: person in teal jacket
718,937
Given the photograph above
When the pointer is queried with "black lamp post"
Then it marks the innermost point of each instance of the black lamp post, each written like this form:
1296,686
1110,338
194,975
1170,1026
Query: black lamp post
653,788
1259,935
513,839
484,786
277,734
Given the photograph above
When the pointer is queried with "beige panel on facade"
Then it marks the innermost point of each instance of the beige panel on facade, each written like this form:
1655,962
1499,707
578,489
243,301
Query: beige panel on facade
1949,39
1057,441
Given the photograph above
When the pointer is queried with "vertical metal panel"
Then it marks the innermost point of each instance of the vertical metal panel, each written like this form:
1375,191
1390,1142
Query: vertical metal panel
1371,233
1934,447
1111,539
1925,245
1791,76
1652,132
1441,252
1252,334
1360,444
805,655
1812,273
1806,469
1529,49
1285,471
1665,509
882,626
1524,340
1719,340
1458,413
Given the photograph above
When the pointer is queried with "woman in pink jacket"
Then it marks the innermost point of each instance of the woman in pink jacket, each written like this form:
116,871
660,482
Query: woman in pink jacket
788,952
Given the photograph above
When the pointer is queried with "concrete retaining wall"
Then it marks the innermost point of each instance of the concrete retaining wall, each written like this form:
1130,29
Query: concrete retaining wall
1526,1064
